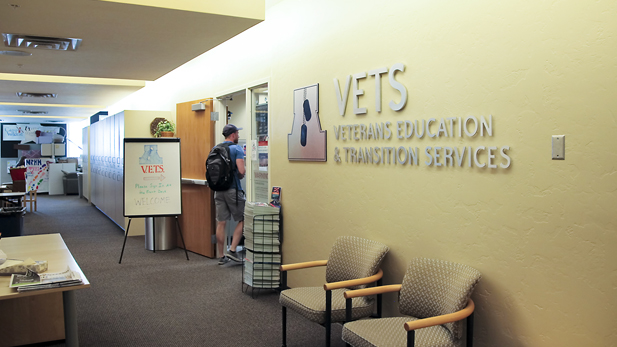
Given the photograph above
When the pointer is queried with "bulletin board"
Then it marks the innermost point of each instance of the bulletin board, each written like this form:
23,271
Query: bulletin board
152,177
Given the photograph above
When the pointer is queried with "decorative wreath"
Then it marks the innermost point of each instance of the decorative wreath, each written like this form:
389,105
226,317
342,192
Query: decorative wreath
155,124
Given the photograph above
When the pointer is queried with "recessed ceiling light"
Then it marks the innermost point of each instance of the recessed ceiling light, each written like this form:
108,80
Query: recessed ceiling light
41,42
36,95
32,112
16,53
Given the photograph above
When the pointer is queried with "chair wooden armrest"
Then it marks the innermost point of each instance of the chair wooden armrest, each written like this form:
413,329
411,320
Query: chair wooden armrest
354,282
304,265
443,319
372,291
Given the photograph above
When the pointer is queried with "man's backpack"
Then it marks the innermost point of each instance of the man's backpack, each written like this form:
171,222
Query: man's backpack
220,168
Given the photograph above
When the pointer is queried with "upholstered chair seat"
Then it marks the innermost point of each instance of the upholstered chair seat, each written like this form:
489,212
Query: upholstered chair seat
310,303
390,332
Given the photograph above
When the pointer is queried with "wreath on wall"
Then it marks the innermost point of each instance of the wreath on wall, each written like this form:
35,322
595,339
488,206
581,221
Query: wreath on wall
155,124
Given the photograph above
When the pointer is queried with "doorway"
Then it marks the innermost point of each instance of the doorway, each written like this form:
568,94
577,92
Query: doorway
248,109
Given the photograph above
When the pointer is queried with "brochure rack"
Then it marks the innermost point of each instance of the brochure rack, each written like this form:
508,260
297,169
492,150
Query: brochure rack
263,240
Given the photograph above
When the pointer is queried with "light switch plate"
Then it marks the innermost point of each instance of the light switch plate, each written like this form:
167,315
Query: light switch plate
214,116
559,147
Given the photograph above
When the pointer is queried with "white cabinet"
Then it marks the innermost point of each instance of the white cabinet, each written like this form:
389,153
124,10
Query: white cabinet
53,149
56,187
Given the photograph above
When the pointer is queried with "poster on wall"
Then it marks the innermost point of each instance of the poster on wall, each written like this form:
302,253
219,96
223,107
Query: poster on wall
37,174
260,186
263,158
307,142
152,177
13,132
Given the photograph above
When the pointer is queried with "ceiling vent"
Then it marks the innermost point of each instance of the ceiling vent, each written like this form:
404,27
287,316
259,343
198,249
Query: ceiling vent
36,95
41,42
32,112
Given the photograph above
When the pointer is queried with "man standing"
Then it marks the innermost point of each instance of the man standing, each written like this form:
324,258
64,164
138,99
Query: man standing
231,202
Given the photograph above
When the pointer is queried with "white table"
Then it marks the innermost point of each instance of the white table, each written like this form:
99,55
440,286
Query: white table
15,308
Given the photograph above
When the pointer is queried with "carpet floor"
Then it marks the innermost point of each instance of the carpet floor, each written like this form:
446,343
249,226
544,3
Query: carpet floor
161,299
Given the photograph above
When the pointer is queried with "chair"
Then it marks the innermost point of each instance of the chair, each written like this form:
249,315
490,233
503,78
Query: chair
30,197
353,263
435,296
70,182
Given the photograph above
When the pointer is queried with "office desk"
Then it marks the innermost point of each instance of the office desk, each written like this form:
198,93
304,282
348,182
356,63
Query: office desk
20,311
8,197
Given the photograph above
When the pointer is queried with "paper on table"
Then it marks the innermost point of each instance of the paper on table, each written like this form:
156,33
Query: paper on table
33,281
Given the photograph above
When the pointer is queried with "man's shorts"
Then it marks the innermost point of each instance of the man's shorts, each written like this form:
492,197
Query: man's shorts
225,202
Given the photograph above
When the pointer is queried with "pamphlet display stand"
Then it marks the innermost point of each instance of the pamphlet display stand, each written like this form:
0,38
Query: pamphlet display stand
263,230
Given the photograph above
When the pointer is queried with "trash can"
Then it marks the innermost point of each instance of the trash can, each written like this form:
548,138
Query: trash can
80,184
12,220
164,231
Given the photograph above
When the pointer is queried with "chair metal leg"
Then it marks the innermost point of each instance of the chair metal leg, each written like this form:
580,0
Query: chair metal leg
411,338
470,330
348,310
328,322
284,280
379,298
284,334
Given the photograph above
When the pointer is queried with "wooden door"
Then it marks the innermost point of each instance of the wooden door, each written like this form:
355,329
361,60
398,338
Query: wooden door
196,133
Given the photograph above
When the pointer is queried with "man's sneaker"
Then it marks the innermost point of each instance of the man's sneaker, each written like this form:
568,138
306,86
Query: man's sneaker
233,256
223,260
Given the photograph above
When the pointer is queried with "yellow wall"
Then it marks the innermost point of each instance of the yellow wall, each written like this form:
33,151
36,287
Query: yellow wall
541,232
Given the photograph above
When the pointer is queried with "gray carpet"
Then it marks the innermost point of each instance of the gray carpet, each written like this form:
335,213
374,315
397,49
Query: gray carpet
161,299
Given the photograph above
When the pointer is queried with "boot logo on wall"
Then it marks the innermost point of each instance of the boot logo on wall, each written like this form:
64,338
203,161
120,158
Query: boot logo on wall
307,141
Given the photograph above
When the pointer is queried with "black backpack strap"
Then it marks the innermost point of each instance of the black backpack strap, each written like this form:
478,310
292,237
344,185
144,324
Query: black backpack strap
234,168
233,162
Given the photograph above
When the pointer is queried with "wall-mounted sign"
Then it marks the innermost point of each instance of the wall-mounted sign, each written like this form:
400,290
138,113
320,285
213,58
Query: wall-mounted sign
361,138
307,141
406,131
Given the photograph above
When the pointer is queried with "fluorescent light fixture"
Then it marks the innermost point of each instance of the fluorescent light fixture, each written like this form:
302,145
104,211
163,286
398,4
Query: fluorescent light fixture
32,112
44,116
16,53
